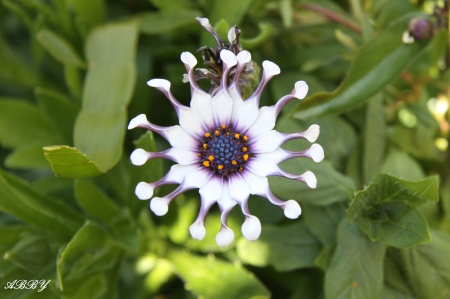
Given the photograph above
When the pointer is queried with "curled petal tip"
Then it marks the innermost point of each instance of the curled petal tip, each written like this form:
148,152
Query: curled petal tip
310,179
312,133
251,229
244,56
159,83
203,21
225,237
232,34
270,68
141,119
159,206
228,57
301,89
316,152
139,157
144,191
292,209
197,230
189,59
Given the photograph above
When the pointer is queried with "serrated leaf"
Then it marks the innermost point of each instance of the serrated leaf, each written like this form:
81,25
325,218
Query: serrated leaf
286,248
212,278
100,126
356,268
69,162
379,62
60,49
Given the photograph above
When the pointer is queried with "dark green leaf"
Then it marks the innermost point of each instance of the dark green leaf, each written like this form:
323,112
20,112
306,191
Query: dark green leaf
379,62
26,157
69,162
162,22
31,254
356,268
286,248
101,123
211,278
90,11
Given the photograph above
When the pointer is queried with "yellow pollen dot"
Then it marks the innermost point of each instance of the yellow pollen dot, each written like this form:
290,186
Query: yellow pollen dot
236,135
217,133
207,135
205,145
219,166
206,163
240,169
211,157
245,157
199,154
228,133
233,162
223,127
244,149
245,137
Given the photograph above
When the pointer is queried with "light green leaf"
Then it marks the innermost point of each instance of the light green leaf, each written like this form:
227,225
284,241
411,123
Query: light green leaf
60,49
69,162
385,210
400,164
231,11
109,84
356,270
26,157
374,138
22,123
21,201
379,62
211,278
59,111
286,248
162,22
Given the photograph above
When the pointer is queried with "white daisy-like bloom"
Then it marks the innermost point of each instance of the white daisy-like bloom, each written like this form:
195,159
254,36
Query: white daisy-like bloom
226,147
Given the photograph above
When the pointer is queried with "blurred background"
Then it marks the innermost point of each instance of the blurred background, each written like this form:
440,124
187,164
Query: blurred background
74,72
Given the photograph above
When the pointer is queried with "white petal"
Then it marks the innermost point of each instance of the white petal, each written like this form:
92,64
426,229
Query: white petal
191,122
316,152
301,89
178,172
203,21
225,237
251,229
178,137
312,133
183,156
292,209
141,119
407,38
139,157
244,56
189,59
237,103
211,191
267,142
201,103
228,57
264,122
239,189
270,68
222,107
197,230
262,167
196,178
232,34
159,206
144,191
248,112
257,184
277,155
310,179
162,83
226,202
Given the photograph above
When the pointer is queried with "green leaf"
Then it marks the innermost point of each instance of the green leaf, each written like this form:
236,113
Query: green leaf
108,88
60,49
374,138
22,123
402,165
90,11
69,162
26,157
379,62
211,278
21,201
356,270
31,254
286,248
231,11
59,111
163,22
385,210
395,284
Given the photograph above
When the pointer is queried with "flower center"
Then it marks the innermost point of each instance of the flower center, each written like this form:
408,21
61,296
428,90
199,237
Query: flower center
224,151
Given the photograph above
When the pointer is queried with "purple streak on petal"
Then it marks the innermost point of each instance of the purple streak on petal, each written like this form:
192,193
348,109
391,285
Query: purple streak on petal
282,102
204,22
268,74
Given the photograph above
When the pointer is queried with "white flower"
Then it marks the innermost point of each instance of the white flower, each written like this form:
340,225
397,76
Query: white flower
226,147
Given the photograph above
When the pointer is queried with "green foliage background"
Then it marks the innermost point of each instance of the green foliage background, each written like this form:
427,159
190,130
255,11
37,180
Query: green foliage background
73,73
